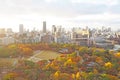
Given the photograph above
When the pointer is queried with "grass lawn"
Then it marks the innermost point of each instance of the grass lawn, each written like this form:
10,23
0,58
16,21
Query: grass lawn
45,55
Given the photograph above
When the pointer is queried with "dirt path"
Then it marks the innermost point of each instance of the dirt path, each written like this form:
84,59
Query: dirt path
34,58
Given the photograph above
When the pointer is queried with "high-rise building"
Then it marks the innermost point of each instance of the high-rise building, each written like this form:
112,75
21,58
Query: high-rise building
54,29
44,26
21,28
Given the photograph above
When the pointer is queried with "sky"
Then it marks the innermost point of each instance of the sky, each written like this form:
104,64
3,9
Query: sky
68,13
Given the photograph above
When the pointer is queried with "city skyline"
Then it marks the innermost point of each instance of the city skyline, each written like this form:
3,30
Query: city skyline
68,13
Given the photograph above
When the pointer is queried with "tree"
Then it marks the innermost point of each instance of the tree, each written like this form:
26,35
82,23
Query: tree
10,76
78,76
108,65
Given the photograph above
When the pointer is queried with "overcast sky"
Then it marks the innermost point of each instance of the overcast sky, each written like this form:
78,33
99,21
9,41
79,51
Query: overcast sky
69,13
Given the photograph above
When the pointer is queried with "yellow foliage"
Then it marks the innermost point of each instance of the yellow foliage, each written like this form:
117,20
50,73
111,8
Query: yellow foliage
69,60
12,46
27,51
112,77
10,76
65,64
64,76
83,74
117,55
57,74
78,75
95,71
73,76
47,66
52,64
108,64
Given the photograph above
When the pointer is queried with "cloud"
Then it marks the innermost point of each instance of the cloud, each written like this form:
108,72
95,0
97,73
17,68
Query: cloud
115,9
85,8
62,8
105,2
76,11
59,8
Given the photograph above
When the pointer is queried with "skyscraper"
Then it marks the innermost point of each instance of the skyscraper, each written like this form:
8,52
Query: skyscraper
44,26
21,28
54,29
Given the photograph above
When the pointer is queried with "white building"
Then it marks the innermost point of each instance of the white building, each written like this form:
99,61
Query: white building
21,28
6,40
80,36
9,32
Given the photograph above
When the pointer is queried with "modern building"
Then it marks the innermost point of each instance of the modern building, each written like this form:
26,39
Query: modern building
21,28
44,26
54,29
60,35
80,37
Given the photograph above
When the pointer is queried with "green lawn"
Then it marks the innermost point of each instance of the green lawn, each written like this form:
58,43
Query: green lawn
45,55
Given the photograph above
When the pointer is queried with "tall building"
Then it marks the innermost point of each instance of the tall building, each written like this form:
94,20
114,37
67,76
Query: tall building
54,29
44,26
21,28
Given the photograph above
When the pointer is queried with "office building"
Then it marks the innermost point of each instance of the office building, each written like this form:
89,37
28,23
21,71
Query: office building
54,29
21,28
44,26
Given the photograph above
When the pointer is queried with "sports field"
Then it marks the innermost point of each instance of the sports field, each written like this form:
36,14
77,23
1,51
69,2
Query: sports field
44,55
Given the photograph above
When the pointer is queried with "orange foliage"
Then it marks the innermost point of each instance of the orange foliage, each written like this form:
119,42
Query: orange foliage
27,51
77,59
99,60
63,55
117,55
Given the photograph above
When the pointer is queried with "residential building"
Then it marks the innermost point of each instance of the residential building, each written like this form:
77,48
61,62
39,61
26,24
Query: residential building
6,40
